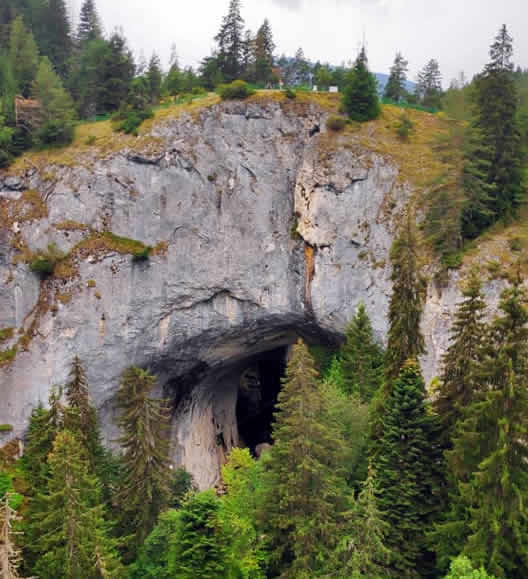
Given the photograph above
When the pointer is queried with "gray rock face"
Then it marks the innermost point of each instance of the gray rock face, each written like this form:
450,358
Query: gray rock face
226,194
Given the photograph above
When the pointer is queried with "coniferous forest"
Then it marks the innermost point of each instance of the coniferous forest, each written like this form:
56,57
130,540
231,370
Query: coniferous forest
372,473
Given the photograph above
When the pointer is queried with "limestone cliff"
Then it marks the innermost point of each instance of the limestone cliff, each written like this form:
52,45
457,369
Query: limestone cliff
265,226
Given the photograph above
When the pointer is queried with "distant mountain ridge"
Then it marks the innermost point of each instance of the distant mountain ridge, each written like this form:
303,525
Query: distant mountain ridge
383,78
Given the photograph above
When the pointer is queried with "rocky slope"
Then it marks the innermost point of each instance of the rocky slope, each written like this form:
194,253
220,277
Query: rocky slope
264,226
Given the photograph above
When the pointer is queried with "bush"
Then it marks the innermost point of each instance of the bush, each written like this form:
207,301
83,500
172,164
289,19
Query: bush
290,94
6,427
128,121
55,132
335,123
405,126
238,89
44,262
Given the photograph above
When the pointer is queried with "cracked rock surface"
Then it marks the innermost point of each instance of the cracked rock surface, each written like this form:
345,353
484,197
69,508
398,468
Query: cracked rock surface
270,234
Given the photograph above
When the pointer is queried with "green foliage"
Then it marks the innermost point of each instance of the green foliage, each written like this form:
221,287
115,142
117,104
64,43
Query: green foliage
45,262
73,539
336,123
408,472
6,136
304,492
23,56
89,27
429,86
395,87
462,568
290,94
404,127
181,484
144,487
6,427
9,354
362,357
56,107
129,121
360,97
405,340
237,90
198,549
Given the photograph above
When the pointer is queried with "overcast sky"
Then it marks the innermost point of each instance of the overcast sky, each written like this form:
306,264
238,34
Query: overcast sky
455,32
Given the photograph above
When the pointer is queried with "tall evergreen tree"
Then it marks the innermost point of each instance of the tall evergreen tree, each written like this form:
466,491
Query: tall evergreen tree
304,483
230,42
146,474
364,549
73,539
56,41
408,467
23,56
89,24
497,107
57,112
264,47
395,89
493,438
362,357
114,73
154,77
405,339
459,382
429,86
360,98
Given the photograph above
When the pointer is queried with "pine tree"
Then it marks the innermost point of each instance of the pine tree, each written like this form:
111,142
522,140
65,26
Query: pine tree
73,538
360,98
114,72
10,556
495,432
23,56
230,42
408,468
146,474
154,77
304,492
497,118
362,357
364,549
264,47
405,340
429,86
395,89
459,380
89,24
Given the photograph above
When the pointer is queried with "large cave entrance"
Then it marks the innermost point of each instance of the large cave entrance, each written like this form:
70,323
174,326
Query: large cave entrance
259,387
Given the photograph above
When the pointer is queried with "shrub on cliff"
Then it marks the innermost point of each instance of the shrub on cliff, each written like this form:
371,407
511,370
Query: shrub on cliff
238,89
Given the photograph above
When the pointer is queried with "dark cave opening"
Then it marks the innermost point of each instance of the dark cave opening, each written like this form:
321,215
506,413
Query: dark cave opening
260,385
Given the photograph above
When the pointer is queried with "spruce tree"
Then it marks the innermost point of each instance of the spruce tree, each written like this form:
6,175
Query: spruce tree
395,89
429,86
154,78
493,439
57,112
497,118
304,482
89,24
198,549
405,340
56,41
264,47
114,71
360,97
362,357
146,474
459,382
230,42
363,547
408,469
23,56
73,539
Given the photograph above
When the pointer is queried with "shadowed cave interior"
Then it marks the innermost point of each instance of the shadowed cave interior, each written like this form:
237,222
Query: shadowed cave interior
260,384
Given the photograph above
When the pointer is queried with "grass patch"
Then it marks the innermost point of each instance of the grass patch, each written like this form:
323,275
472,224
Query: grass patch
7,356
6,427
45,262
6,334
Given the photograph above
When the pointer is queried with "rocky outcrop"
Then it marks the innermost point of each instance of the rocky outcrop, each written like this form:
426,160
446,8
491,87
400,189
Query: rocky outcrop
268,230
